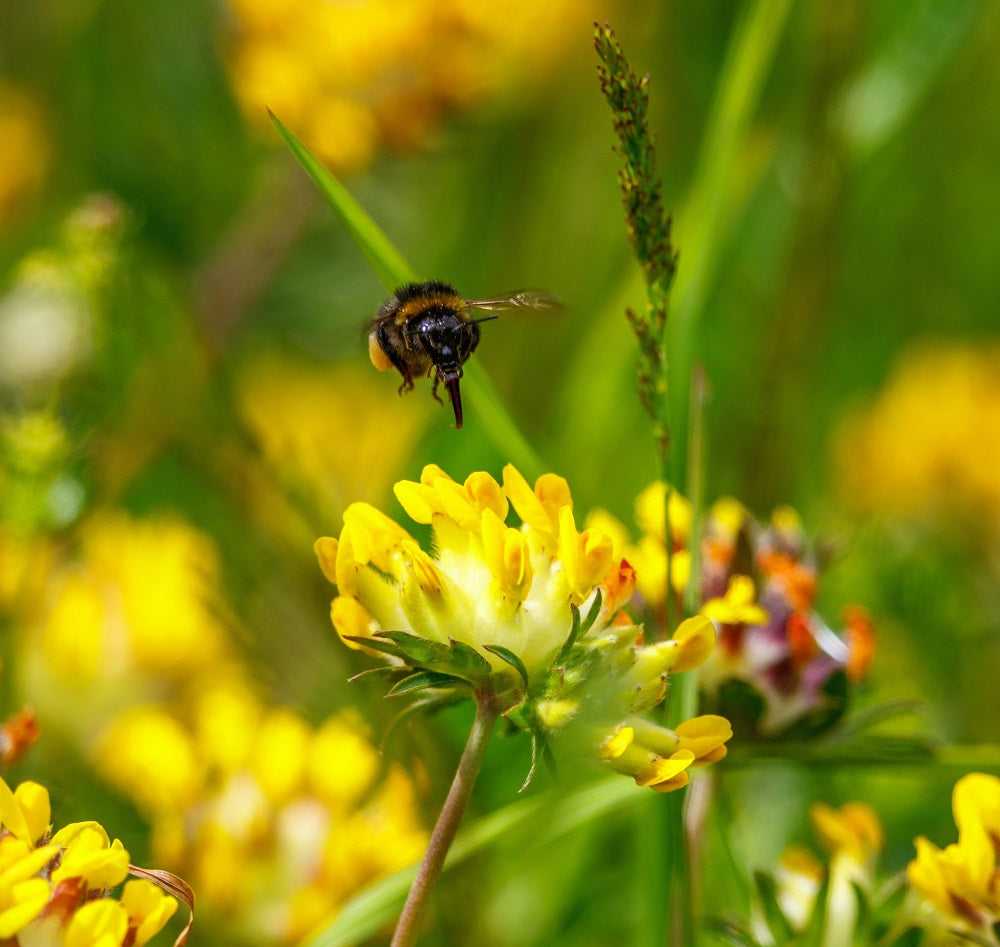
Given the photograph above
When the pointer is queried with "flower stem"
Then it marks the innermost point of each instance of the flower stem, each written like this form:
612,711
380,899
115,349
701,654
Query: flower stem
487,711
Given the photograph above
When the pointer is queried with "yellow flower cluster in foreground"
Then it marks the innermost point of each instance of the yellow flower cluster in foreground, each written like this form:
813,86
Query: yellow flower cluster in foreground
274,823
532,612
55,888
354,78
930,439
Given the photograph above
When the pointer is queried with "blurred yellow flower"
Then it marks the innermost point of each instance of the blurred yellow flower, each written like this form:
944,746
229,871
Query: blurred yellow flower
137,599
322,431
24,150
54,888
930,439
354,78
958,885
275,823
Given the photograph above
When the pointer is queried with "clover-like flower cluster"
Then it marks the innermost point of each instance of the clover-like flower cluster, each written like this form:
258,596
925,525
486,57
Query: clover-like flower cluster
55,888
532,613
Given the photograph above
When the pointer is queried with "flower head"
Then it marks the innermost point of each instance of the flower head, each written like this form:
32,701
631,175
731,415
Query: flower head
779,668
532,612
55,887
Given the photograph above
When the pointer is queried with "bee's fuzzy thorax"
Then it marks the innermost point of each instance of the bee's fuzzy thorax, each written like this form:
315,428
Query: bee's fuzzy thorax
412,299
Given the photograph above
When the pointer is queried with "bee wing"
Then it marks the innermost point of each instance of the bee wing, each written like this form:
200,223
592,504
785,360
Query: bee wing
520,299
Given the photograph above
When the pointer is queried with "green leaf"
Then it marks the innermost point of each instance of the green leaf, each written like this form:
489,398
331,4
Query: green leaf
418,650
424,679
376,644
387,262
385,671
812,936
466,659
512,659
767,893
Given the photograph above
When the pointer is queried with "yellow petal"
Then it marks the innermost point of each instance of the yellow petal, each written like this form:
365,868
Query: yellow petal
704,735
34,802
148,907
616,744
695,637
526,504
508,556
350,617
665,771
21,903
326,552
101,923
12,817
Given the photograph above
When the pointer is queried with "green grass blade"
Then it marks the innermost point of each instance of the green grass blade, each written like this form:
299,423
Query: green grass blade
388,263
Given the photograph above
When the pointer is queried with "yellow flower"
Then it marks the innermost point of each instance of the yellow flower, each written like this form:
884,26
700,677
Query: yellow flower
250,802
137,599
528,612
58,893
959,882
930,439
355,78
738,606
148,909
24,157
301,416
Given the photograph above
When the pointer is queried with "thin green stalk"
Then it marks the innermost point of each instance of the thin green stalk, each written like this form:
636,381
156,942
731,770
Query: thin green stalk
696,484
487,711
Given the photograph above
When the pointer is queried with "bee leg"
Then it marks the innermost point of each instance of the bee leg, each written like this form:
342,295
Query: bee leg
387,346
434,390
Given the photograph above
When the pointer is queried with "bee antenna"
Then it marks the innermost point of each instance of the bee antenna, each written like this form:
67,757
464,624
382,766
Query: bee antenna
473,322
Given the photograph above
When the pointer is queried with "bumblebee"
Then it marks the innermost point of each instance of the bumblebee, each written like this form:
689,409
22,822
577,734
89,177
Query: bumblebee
430,329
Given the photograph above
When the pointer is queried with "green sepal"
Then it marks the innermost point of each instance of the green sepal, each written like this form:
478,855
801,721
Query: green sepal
466,659
777,923
383,671
595,610
512,659
422,680
521,716
377,644
418,650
